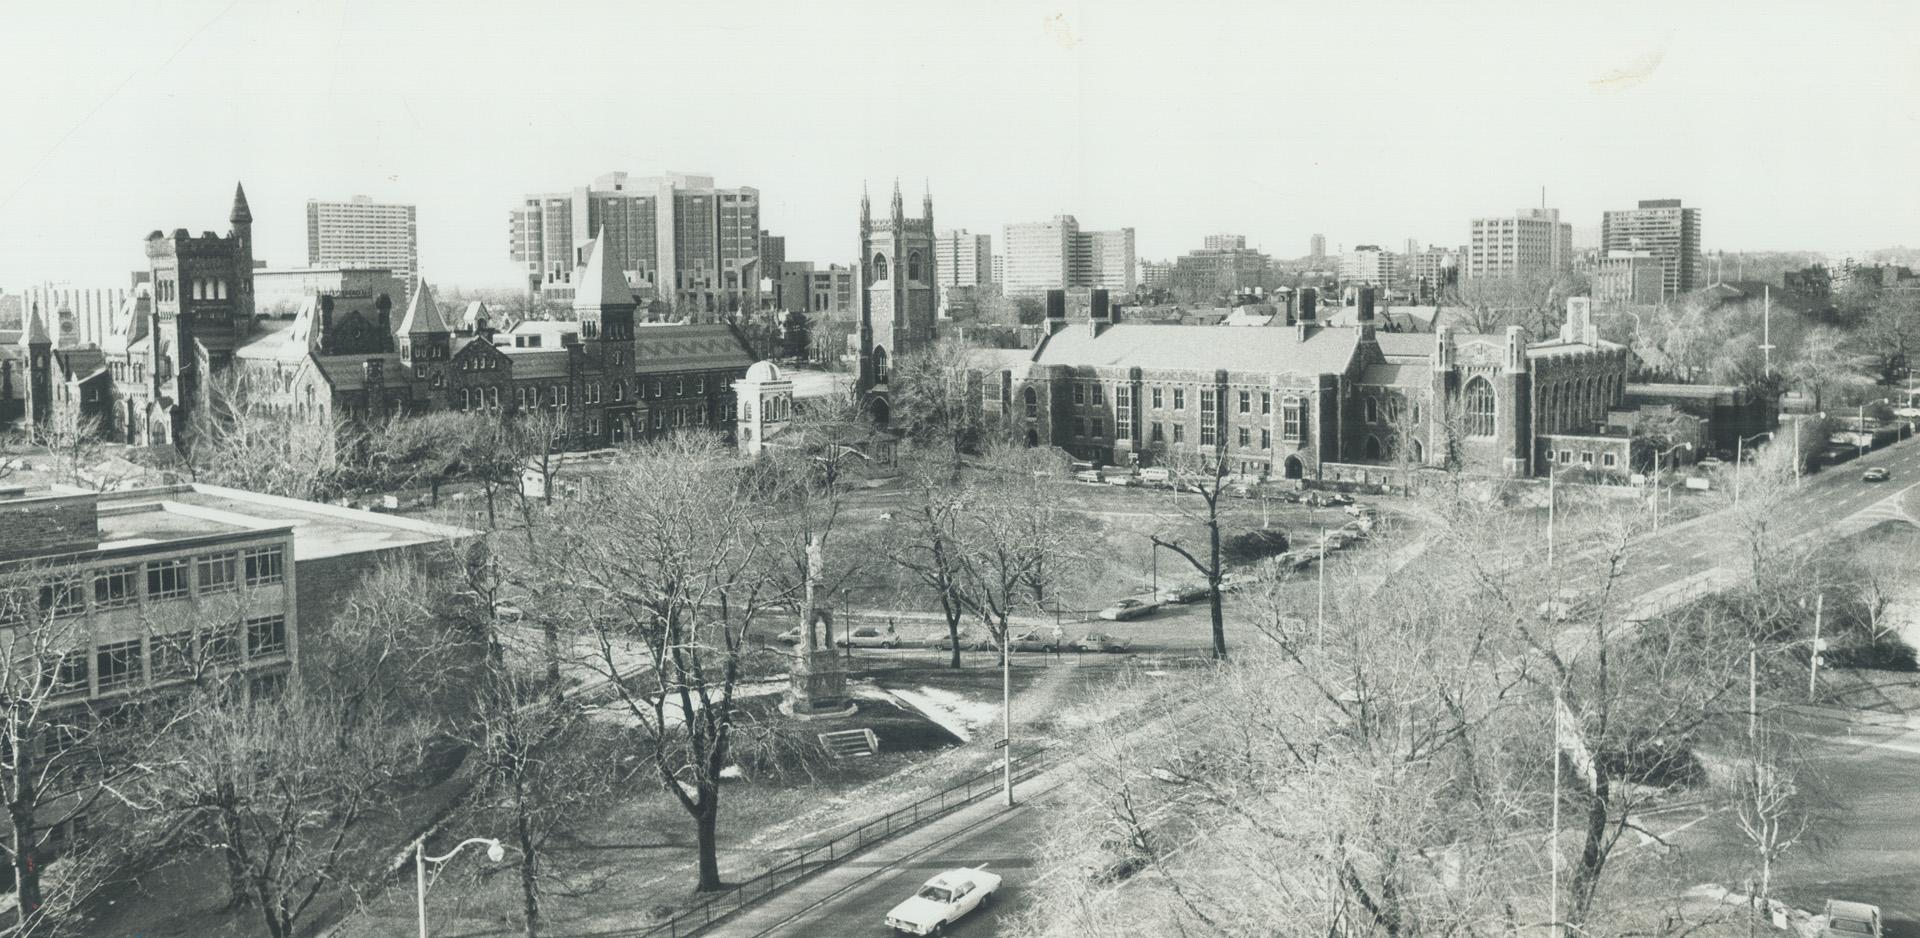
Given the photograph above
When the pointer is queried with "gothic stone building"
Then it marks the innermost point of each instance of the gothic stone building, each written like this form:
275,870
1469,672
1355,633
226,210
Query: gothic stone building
616,380
898,296
1302,400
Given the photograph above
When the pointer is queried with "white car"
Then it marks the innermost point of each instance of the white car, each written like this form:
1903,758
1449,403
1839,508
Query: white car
870,637
945,899
1128,609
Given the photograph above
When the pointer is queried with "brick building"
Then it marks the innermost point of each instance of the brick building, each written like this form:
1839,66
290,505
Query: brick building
1301,400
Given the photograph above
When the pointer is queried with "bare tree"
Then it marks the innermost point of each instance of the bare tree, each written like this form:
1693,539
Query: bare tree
1769,806
670,560
247,438
1205,477
925,542
1015,539
935,395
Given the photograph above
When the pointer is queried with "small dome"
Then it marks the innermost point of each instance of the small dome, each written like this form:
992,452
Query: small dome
763,371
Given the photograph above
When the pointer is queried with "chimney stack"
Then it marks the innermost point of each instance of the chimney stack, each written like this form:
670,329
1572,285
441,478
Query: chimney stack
1099,315
1309,305
1364,315
1056,311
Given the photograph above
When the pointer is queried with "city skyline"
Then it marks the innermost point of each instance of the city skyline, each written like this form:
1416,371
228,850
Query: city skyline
1612,112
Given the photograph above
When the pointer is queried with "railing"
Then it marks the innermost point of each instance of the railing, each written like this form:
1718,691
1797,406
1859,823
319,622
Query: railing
814,859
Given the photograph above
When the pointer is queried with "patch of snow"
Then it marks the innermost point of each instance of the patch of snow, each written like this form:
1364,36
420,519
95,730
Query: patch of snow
732,771
956,714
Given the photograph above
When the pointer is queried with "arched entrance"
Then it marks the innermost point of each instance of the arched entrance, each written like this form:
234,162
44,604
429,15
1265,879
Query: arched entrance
1294,468
1033,439
880,411
1371,449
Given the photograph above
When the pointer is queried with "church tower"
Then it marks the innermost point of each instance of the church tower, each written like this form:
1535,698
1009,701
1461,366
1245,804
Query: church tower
38,345
898,298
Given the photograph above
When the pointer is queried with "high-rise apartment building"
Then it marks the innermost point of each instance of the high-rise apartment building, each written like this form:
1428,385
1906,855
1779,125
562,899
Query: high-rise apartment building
363,233
999,268
1056,254
966,259
1224,242
1318,248
1367,264
677,238
1635,277
1531,240
1224,265
1665,228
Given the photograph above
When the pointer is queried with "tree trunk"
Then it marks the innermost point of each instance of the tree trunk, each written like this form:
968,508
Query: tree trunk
1213,593
242,896
550,632
26,870
529,884
707,826
1593,856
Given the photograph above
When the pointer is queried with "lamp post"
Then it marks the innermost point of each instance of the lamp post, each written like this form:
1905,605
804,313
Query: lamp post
1656,478
1739,445
1006,709
495,852
1320,620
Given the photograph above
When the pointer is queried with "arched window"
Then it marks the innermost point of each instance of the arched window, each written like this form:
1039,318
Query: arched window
879,365
1371,449
1417,452
1033,403
1481,408
219,289
879,267
913,266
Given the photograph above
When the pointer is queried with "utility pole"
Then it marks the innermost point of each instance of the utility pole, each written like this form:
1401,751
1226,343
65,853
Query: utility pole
1813,660
1006,713
1320,622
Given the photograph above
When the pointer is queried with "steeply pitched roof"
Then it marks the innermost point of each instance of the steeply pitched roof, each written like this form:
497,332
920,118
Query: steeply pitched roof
240,214
1325,350
423,314
601,282
36,331
1405,347
688,347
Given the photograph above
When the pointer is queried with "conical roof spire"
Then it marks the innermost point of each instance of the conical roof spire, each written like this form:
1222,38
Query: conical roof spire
423,314
601,283
241,215
899,207
36,331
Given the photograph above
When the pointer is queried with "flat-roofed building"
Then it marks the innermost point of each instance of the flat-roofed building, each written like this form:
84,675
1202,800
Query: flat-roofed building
363,233
1530,241
1667,229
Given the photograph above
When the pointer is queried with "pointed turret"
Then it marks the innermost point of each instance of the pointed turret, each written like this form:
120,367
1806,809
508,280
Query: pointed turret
423,314
866,202
926,200
35,332
899,207
600,283
241,215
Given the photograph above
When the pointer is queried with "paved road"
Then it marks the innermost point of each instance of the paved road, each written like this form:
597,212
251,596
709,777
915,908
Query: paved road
1872,848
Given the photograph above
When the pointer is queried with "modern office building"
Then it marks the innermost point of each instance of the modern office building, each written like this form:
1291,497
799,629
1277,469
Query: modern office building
1056,254
1432,271
1224,265
1531,240
676,238
1665,228
827,292
1317,248
1223,242
966,259
1000,268
364,233
1155,276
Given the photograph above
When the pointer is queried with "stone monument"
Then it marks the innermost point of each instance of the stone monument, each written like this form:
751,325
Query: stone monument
819,681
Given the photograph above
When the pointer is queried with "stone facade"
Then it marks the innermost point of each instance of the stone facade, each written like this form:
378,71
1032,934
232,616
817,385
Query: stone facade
899,294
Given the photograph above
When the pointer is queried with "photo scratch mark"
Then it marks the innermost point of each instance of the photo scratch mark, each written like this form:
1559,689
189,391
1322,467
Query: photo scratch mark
1635,73
1057,27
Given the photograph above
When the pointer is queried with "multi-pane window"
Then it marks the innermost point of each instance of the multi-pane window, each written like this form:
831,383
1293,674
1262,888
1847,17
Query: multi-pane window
1156,397
1566,455
1246,402
266,635
1179,432
679,387
171,654
166,579
1481,408
265,565
66,596
1158,435
1097,426
118,664
1079,394
1179,398
69,674
1095,394
1266,402
220,644
1079,426
1291,412
1373,410
1607,460
1032,400
700,384
216,572
1266,438
1207,418
1123,411
656,387
1246,436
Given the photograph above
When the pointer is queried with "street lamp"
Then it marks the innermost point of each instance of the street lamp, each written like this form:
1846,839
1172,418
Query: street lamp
1656,478
495,852
1739,445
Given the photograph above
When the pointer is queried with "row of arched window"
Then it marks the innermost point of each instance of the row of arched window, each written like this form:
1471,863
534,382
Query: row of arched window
915,270
1571,405
209,289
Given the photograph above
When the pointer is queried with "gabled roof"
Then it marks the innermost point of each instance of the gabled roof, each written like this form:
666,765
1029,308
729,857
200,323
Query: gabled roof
1281,350
601,283
423,314
1406,347
688,347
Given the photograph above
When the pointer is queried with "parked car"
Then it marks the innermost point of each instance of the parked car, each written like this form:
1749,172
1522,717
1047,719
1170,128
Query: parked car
941,641
1089,476
1709,463
1850,919
1876,474
1101,641
944,899
791,636
1128,609
1042,640
1182,593
868,636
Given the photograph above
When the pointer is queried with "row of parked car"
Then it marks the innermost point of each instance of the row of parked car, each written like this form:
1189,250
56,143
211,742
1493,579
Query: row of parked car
1042,640
1236,486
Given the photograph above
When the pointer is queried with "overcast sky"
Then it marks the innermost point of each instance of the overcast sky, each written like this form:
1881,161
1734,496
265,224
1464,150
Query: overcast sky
1791,125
